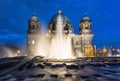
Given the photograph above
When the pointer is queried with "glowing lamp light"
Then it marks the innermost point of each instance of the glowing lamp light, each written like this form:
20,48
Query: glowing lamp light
18,51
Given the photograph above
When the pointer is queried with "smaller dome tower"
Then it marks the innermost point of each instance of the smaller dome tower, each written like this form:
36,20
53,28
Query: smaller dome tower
85,25
86,36
33,25
33,34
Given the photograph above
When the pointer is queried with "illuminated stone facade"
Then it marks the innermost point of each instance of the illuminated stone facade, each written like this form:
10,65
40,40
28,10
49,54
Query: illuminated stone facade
33,34
81,43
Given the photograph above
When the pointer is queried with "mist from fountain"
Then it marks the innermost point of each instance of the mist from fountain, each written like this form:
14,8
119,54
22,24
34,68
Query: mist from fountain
43,46
6,52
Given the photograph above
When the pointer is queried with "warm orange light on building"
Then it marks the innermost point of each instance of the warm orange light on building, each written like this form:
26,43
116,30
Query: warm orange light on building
88,51
105,50
91,52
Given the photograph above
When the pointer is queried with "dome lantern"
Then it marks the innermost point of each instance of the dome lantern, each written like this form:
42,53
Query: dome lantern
59,11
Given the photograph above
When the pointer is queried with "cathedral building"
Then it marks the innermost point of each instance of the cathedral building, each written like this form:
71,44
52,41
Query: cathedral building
81,43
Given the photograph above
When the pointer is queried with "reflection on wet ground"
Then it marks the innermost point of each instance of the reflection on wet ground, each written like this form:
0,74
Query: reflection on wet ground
40,69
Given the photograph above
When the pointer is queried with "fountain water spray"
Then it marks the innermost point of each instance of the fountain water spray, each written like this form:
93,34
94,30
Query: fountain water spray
58,45
61,44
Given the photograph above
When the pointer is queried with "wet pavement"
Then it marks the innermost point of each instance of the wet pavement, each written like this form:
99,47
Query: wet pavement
40,69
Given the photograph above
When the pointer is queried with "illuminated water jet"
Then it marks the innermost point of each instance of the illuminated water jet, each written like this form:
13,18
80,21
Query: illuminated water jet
60,44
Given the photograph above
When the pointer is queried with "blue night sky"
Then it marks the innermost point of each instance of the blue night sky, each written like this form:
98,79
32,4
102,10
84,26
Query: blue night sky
105,16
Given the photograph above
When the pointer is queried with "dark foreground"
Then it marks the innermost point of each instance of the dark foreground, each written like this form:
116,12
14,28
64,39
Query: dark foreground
41,69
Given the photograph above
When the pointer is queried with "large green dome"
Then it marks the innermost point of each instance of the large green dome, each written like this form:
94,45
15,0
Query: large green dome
66,23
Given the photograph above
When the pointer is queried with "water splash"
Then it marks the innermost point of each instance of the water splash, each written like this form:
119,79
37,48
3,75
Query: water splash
58,46
61,44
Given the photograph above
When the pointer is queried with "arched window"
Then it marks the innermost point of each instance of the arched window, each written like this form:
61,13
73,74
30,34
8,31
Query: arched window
33,27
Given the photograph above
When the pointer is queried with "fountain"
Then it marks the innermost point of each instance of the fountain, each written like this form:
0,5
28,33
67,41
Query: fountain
61,44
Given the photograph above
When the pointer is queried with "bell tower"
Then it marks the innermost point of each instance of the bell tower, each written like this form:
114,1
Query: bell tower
86,37
33,34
